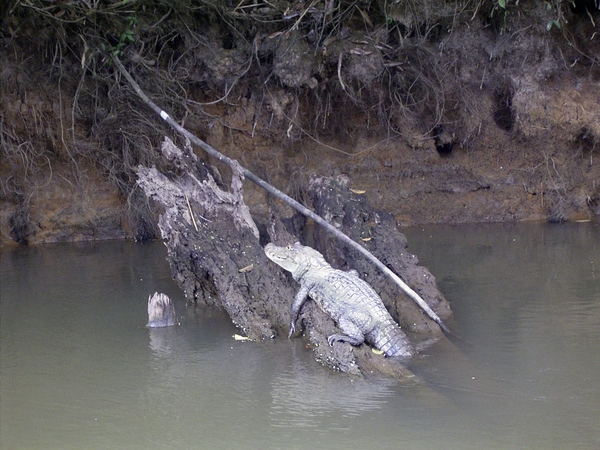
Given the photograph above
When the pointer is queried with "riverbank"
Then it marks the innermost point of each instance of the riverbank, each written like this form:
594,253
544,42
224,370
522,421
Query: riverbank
486,114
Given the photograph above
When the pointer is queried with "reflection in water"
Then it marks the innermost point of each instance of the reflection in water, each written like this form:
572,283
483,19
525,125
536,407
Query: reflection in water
304,397
162,341
528,297
80,370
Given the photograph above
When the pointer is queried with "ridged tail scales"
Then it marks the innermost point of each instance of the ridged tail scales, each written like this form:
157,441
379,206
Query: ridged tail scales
391,340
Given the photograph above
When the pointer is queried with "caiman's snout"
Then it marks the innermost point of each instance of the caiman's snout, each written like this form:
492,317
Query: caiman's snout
282,256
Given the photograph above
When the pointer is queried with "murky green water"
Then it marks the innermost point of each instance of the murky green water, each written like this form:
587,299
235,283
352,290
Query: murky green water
80,371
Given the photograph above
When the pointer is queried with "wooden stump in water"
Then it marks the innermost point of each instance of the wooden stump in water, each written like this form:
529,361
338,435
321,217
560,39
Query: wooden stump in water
161,312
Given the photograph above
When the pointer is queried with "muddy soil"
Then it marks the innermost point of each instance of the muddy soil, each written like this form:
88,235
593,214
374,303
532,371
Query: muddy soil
478,115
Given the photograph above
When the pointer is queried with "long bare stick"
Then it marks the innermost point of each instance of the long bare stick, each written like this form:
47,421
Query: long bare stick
277,193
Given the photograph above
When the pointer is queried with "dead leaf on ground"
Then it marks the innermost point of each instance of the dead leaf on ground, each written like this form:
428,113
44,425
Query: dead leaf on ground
237,337
246,269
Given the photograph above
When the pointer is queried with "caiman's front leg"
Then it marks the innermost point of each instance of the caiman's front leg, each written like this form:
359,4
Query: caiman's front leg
295,309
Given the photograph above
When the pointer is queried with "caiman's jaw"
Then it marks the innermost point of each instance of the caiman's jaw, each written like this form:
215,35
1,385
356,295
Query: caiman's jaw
285,257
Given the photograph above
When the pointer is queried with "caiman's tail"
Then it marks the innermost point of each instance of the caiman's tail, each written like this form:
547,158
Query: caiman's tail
391,340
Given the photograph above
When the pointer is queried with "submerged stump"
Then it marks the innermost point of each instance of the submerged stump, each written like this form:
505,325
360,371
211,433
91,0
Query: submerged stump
216,255
161,312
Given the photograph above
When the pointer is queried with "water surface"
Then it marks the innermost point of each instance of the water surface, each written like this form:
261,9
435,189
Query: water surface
79,370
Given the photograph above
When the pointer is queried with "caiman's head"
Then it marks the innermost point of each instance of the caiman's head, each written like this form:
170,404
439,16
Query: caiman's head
295,258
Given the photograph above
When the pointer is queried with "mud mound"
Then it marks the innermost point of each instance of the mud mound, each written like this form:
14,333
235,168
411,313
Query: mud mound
216,255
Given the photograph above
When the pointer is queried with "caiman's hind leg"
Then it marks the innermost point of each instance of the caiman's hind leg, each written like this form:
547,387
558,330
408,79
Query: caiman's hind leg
353,335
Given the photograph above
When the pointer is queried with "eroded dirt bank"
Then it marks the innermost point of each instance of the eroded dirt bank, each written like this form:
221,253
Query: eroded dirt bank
440,111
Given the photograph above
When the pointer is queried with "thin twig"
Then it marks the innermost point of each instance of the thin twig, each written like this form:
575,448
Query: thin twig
191,212
277,193
339,71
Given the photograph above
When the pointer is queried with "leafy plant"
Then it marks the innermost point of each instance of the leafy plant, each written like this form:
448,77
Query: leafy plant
127,37
554,22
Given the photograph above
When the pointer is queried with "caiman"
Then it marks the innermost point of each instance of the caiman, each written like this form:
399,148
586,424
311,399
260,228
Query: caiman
350,301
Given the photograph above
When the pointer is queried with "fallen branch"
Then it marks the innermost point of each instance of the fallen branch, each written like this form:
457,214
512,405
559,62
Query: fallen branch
277,193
